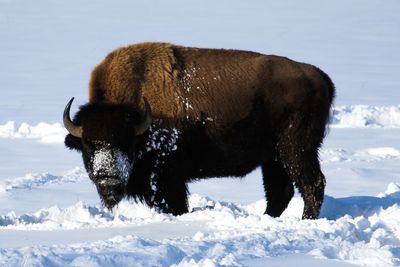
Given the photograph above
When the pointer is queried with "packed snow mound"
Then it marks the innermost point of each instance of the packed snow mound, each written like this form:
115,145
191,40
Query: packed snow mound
360,116
30,181
393,190
81,216
356,230
127,213
45,132
365,155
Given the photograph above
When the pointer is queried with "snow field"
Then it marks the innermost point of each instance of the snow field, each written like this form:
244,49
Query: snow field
359,116
359,230
368,234
45,132
365,155
30,180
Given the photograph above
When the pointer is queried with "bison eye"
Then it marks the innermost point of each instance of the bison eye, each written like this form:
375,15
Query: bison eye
89,145
128,117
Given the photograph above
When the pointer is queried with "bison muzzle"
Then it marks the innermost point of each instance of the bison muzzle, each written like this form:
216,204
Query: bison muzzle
160,116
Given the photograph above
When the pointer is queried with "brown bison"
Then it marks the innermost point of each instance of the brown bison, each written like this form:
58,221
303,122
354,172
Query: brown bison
160,116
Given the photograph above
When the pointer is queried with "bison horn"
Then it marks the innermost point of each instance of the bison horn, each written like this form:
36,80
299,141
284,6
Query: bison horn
68,124
147,119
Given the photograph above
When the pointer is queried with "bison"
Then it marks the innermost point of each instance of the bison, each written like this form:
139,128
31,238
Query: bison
160,116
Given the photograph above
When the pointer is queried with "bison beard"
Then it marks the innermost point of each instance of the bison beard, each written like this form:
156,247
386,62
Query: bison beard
160,116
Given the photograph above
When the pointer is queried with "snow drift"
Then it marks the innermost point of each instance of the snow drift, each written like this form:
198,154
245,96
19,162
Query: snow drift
44,132
359,116
230,235
360,230
31,181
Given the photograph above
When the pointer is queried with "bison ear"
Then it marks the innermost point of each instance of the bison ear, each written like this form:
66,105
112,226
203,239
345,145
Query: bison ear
73,142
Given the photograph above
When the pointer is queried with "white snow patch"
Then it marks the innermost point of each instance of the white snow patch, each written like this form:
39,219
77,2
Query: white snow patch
361,155
163,140
393,190
384,152
111,162
45,132
30,181
360,116
81,216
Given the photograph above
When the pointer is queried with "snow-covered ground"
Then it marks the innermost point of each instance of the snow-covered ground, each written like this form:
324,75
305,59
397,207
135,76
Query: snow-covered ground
51,214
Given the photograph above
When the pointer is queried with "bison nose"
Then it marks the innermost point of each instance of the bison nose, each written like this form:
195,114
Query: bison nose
110,186
111,191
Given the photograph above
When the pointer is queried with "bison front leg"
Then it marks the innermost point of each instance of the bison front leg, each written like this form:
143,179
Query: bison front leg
278,187
170,195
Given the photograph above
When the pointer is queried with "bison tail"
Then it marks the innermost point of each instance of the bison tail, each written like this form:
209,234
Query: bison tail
331,94
331,86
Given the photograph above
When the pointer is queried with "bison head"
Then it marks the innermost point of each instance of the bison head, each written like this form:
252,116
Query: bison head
106,135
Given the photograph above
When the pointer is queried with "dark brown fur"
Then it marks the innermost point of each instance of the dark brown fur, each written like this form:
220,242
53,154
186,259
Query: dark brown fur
235,111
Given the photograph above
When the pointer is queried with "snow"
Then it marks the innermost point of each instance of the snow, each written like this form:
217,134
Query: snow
51,214
110,163
229,233
30,180
45,132
359,116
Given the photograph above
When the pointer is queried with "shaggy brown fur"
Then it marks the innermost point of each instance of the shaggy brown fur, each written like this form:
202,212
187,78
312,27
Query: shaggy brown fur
183,82
243,109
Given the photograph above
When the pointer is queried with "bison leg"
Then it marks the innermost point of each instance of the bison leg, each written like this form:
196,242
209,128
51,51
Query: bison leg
311,187
278,187
297,148
170,196
302,166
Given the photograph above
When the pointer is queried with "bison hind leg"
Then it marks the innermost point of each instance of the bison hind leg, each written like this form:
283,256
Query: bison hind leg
299,155
311,186
278,187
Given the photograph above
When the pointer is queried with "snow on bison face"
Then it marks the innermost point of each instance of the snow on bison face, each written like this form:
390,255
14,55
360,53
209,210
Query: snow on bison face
105,134
109,168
